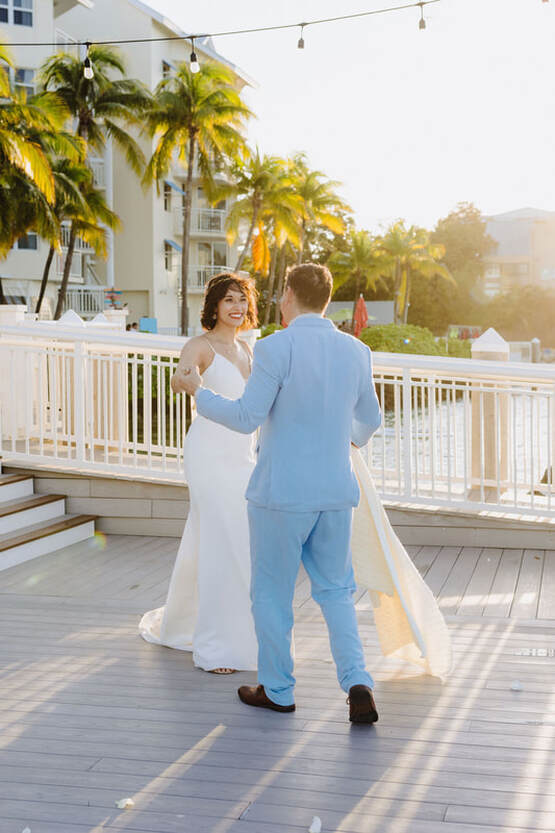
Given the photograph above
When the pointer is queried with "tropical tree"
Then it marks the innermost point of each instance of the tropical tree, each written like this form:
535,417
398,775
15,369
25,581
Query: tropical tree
31,133
198,117
102,107
89,224
69,179
321,206
362,263
404,253
264,200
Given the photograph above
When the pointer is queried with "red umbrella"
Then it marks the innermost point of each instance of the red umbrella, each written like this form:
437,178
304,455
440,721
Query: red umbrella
360,317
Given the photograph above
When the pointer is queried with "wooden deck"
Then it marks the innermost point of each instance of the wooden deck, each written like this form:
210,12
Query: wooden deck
91,714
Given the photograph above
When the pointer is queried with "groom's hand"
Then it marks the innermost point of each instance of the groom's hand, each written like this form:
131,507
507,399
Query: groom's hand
190,380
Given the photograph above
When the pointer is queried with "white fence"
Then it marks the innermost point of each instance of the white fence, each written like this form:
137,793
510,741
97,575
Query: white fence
456,432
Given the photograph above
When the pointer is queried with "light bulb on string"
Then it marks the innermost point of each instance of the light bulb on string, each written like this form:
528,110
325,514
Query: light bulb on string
88,71
194,64
422,22
300,44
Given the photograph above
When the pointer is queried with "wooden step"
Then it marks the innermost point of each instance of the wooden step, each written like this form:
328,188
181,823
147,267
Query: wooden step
41,530
22,512
10,507
14,486
42,538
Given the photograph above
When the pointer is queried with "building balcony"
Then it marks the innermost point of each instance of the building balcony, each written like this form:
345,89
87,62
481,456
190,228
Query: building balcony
86,301
97,167
204,222
198,276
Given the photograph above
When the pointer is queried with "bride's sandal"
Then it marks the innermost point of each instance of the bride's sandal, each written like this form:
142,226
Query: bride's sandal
223,671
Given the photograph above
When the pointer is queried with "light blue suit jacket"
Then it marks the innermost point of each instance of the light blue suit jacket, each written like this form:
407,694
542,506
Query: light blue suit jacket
312,391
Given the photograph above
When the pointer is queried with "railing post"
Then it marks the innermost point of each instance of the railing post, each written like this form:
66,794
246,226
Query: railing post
490,433
407,431
79,354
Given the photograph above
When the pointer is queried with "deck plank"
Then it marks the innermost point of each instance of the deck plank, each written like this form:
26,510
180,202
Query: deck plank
90,713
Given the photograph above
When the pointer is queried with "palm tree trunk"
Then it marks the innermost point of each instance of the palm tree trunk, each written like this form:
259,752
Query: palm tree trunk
255,213
44,280
186,237
3,299
407,296
301,243
396,290
271,282
281,272
67,269
357,293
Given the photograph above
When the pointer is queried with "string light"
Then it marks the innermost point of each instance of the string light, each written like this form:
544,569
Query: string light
195,66
300,44
419,4
88,71
422,23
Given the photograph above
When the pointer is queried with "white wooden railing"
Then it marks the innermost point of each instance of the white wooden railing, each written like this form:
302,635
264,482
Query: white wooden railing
85,300
456,432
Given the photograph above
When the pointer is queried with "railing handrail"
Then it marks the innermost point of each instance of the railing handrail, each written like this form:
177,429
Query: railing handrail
446,366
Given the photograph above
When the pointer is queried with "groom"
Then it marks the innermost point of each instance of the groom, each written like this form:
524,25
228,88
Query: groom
312,391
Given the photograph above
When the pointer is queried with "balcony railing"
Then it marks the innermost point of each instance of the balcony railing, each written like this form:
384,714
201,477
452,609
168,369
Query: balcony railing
478,435
80,245
86,301
98,171
203,221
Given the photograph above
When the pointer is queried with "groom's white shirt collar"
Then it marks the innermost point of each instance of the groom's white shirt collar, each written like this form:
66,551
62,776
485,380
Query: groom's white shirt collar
310,319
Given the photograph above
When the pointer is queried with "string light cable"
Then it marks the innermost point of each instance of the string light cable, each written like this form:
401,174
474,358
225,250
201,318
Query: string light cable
416,5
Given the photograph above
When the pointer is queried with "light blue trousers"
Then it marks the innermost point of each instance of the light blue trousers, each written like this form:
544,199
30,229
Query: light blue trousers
321,540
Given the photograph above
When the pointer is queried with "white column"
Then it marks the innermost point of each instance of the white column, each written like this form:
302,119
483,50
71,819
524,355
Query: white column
109,183
490,431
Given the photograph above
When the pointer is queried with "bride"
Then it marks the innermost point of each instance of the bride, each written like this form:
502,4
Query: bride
208,609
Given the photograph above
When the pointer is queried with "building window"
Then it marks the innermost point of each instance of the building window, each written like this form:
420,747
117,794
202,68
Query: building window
23,12
212,254
3,11
168,257
25,81
28,241
167,197
166,69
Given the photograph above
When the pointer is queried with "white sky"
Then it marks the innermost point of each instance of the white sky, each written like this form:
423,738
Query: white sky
410,122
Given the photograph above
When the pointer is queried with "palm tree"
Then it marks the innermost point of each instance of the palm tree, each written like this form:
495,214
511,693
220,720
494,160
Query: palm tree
198,116
264,194
362,262
102,107
90,226
69,178
320,202
406,251
31,132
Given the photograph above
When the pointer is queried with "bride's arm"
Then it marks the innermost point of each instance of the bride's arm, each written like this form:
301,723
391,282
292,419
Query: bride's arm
195,353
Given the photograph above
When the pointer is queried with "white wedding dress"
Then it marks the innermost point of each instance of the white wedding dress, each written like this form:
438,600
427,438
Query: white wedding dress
208,609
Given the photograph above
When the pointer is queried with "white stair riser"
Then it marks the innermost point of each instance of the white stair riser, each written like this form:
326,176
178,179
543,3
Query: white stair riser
13,491
33,515
42,546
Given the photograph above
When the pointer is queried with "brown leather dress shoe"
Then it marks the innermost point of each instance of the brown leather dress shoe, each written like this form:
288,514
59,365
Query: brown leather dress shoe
362,708
256,696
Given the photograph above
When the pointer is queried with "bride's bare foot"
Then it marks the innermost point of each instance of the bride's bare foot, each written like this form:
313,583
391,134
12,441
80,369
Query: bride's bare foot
223,670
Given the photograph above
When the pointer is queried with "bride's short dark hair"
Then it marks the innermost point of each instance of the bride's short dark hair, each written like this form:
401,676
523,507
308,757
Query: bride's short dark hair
217,288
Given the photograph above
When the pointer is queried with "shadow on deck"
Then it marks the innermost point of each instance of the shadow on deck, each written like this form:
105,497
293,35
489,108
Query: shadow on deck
91,714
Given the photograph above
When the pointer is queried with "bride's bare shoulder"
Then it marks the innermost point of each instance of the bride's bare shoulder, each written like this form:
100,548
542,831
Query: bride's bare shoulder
196,351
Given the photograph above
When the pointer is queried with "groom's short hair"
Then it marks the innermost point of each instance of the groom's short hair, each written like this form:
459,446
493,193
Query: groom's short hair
312,284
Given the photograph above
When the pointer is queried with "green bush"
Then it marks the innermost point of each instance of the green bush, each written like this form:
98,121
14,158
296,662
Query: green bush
402,338
269,329
458,348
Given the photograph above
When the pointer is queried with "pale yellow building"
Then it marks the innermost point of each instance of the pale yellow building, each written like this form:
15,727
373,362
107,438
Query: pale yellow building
144,257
